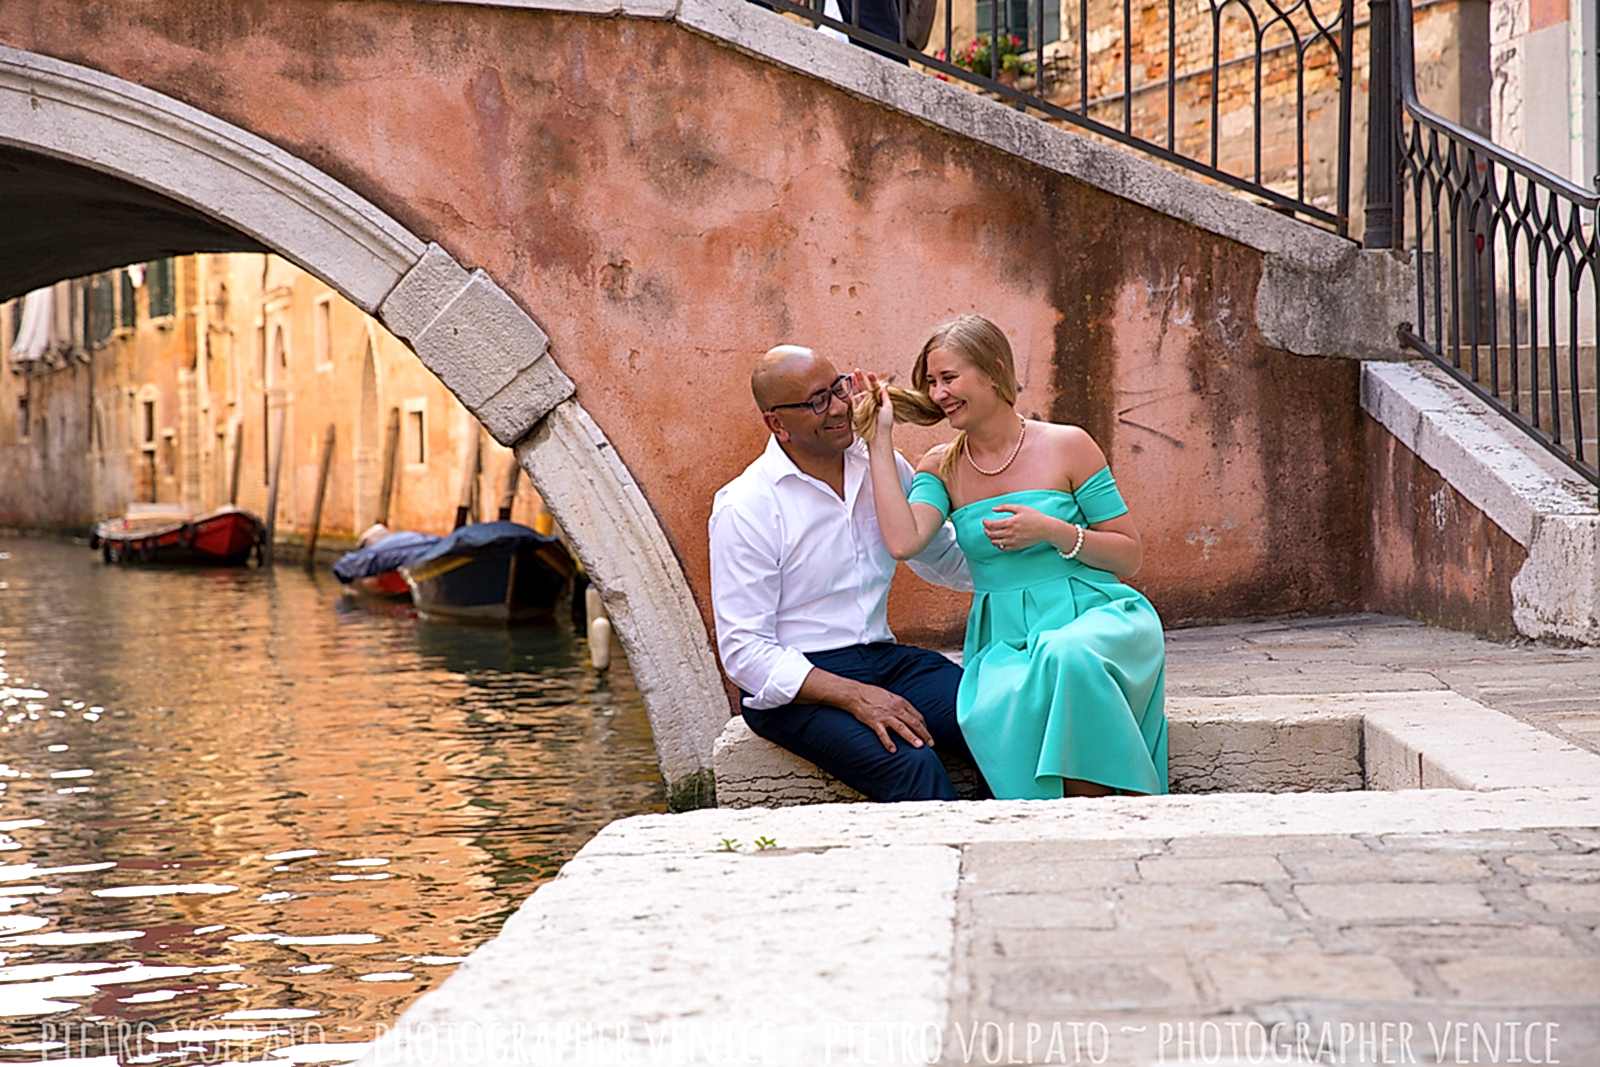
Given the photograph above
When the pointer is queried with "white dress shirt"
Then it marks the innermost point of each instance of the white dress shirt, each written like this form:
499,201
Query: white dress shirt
795,569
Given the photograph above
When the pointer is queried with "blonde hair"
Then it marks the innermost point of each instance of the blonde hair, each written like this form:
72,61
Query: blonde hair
975,339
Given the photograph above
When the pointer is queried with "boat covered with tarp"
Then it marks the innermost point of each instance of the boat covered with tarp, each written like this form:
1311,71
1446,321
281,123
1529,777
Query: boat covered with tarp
493,572
374,569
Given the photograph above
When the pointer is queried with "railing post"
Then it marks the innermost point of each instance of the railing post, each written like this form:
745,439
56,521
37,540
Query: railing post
1382,116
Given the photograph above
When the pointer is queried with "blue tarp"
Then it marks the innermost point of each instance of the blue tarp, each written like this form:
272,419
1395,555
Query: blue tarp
481,536
397,550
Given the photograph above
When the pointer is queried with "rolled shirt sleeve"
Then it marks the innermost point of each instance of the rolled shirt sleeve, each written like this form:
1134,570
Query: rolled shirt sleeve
745,585
942,562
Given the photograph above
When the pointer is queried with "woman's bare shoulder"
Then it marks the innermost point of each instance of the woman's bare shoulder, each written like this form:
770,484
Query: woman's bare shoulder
932,458
1079,454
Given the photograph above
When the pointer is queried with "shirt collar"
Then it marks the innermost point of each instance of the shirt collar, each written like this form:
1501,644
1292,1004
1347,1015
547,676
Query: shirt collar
777,465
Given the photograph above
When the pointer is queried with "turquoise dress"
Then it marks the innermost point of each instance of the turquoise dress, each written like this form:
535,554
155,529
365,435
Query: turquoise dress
1064,664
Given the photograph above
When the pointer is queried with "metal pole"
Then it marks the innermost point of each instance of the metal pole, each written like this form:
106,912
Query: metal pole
1382,113
1347,63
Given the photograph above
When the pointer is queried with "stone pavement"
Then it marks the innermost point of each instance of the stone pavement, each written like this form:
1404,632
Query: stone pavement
1556,689
1417,926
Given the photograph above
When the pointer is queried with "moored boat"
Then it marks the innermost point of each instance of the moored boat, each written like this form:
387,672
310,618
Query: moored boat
373,570
491,572
225,537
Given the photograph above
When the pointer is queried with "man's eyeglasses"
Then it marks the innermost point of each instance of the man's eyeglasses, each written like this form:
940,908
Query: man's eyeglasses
820,401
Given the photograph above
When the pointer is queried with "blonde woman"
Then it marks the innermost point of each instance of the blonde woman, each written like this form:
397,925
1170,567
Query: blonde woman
1063,686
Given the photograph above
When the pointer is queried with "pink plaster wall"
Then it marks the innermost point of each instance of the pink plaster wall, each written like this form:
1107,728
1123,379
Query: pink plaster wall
668,208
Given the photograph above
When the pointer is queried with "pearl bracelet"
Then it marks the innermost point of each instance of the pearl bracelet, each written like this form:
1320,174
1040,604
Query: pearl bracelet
1075,548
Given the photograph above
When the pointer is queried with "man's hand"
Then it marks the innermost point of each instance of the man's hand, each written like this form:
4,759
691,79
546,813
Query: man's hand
885,713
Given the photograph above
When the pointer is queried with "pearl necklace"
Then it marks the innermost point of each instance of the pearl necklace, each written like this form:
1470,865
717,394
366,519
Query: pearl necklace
1021,433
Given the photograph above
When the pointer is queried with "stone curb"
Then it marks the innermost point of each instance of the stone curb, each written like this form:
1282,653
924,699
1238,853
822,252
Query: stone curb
1537,501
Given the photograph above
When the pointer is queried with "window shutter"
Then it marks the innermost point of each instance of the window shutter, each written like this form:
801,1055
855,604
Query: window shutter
160,283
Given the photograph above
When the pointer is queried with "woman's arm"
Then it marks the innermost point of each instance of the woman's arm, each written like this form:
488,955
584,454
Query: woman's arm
906,530
1113,545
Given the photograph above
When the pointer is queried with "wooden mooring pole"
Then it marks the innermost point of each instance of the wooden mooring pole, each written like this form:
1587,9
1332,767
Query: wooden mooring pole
272,489
469,479
238,455
322,491
391,446
508,495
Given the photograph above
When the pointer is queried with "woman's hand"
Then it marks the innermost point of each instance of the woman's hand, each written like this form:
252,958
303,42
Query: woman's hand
866,382
1025,526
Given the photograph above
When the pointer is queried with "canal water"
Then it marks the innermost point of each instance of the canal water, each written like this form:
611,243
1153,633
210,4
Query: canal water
242,820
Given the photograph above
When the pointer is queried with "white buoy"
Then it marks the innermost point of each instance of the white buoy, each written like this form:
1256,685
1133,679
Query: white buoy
599,629
600,642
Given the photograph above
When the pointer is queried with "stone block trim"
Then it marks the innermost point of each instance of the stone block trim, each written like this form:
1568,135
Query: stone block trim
1540,503
486,349
622,546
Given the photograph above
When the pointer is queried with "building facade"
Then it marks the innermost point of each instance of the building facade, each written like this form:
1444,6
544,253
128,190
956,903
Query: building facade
181,381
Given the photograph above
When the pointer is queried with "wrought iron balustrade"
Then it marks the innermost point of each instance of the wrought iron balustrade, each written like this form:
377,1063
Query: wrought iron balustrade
1174,110
1506,254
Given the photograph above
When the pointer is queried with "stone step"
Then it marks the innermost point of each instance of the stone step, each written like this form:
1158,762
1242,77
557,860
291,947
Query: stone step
1256,744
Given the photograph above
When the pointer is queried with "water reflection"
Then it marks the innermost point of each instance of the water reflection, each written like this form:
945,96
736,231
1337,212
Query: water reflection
239,811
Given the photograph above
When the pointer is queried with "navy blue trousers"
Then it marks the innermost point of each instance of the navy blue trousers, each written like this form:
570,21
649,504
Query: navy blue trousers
846,748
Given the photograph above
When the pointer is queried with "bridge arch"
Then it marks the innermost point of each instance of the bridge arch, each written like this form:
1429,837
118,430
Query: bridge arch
234,190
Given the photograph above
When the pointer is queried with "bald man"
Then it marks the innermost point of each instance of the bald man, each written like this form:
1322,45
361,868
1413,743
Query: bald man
800,587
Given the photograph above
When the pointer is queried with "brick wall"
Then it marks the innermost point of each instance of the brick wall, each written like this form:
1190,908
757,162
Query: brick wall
1297,69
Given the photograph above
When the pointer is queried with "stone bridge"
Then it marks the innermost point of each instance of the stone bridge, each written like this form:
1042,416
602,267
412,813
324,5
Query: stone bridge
588,216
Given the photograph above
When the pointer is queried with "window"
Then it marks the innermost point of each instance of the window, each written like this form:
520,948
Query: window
163,292
147,437
24,422
322,329
129,311
415,447
1021,17
102,310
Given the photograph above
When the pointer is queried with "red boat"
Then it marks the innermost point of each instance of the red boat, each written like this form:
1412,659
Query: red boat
385,585
225,537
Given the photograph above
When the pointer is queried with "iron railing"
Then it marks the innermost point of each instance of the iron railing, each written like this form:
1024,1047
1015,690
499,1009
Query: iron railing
1175,113
1506,254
